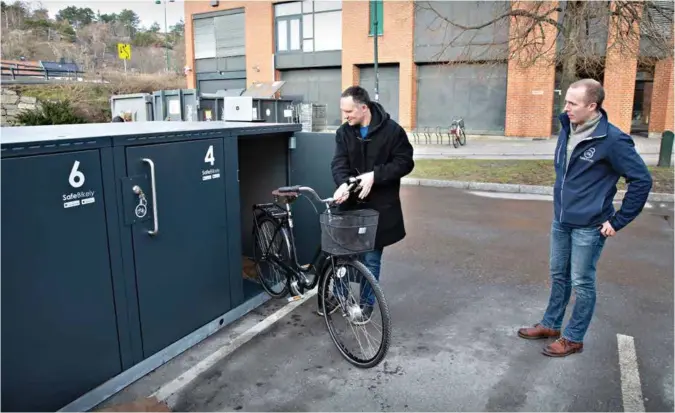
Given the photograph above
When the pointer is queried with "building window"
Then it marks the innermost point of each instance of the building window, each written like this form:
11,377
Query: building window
308,26
376,12
289,34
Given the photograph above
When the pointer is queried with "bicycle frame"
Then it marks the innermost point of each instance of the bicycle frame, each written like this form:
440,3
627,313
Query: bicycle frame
295,274
456,125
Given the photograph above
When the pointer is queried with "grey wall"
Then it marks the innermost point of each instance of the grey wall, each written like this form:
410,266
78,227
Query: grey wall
658,18
263,167
308,59
474,92
433,36
595,40
388,85
220,64
317,86
214,85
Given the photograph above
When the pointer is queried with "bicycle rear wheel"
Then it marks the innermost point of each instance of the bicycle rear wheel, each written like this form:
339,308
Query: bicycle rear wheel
339,304
272,277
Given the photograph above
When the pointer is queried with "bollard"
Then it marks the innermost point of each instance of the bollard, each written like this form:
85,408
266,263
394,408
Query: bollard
666,150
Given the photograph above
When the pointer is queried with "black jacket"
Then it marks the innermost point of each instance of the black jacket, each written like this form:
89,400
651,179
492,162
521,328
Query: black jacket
386,151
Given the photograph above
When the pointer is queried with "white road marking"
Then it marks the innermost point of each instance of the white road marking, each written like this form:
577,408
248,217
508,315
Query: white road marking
509,195
174,387
631,389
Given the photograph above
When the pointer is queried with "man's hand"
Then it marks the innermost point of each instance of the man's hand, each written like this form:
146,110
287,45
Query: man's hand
341,194
367,180
607,230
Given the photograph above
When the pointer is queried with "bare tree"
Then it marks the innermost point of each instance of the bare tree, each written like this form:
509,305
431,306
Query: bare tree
95,38
572,35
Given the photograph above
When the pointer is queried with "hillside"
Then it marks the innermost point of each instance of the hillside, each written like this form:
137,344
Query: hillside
89,39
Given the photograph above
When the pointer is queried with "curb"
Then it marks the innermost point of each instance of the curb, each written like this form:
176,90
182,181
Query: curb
514,188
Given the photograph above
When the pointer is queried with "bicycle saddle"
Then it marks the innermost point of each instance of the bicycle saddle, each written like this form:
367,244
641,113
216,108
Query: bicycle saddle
285,196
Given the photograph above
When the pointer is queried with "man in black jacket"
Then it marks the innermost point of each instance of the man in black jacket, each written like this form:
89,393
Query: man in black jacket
375,149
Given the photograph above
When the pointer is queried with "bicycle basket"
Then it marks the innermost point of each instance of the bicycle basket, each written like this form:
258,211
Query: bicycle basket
348,232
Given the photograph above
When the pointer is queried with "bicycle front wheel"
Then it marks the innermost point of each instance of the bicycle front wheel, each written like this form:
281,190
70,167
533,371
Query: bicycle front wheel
358,321
462,137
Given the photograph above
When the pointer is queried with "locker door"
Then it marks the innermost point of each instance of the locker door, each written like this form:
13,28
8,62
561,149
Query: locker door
310,166
179,241
59,329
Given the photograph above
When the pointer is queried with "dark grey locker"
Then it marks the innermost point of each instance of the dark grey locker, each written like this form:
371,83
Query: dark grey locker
59,329
268,111
181,271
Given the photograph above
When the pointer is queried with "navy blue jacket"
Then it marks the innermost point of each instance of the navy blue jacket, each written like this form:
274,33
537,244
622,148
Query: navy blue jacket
585,189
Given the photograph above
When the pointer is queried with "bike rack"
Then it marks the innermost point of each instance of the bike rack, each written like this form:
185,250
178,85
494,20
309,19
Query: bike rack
428,133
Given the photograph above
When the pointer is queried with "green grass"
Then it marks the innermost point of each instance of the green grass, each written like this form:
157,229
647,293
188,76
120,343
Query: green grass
509,171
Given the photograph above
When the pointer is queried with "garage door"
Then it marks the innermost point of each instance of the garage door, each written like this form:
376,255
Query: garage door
322,86
474,92
389,86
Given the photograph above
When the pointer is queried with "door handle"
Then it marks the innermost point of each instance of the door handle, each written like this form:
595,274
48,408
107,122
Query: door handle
155,219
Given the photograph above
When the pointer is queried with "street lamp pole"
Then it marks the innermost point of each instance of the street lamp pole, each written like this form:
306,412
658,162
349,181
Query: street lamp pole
375,36
166,32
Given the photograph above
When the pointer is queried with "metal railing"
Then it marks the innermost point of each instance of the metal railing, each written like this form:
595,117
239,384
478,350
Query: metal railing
17,70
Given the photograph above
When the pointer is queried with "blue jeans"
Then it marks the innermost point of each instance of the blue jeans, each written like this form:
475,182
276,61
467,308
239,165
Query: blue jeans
373,261
574,256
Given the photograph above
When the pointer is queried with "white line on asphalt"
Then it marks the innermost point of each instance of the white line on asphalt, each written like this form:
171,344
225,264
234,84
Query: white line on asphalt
631,389
179,383
511,195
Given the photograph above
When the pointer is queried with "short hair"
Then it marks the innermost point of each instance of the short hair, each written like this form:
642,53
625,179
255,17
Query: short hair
595,93
358,94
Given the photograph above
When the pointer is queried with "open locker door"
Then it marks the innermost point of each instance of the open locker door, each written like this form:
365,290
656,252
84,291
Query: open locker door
310,166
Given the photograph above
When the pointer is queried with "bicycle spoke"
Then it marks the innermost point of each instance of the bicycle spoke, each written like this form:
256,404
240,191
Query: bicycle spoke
356,339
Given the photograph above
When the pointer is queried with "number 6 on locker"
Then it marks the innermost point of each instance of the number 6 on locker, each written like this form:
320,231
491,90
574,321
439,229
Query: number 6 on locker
76,177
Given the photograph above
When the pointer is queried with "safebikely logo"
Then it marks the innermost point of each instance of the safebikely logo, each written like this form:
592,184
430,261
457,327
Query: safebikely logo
78,198
588,155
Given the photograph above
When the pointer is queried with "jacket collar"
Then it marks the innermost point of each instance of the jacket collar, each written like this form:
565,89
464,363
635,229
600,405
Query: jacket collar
378,118
600,130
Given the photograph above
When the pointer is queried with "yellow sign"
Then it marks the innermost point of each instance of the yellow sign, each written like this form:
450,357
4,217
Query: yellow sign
124,51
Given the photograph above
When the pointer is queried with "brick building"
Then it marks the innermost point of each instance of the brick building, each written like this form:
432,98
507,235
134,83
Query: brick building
321,47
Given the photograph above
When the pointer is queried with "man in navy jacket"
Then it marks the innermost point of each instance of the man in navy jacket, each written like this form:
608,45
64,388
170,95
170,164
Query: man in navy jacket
590,157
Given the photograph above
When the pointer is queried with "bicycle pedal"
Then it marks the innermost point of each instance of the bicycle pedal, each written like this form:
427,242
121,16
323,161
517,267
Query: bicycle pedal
305,267
295,298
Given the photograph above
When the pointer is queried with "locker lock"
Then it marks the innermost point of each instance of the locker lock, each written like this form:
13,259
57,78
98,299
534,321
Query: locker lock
142,207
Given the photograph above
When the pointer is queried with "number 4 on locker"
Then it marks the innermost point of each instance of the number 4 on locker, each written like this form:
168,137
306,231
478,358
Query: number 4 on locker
210,173
209,156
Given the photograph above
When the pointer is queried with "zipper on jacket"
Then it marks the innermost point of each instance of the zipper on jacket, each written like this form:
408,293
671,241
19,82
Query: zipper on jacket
558,157
562,185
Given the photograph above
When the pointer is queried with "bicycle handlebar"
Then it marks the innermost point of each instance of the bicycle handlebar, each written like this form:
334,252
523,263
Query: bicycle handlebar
353,183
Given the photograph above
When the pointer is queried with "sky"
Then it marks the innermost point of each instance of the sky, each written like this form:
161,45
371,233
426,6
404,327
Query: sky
146,10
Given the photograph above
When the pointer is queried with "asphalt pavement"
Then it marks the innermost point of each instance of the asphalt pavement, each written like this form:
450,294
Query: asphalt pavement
472,270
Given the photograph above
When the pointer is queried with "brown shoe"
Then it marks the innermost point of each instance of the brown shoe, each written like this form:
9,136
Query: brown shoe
563,347
538,332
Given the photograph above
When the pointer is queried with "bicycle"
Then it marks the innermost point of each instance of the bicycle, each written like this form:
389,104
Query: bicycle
457,134
344,235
